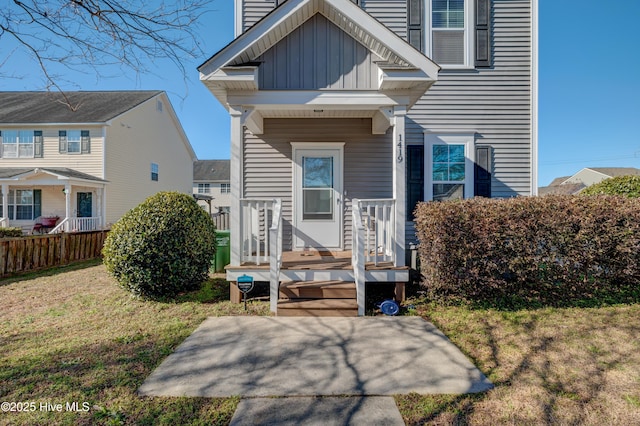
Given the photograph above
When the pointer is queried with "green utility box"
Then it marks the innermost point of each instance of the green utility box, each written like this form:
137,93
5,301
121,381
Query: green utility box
223,250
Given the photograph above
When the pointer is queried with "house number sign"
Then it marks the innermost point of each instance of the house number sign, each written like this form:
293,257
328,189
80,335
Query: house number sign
245,285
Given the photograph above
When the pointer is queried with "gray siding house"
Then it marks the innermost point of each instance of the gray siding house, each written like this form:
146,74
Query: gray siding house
346,113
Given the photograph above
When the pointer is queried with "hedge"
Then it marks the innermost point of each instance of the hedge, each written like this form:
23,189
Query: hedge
550,249
627,186
10,232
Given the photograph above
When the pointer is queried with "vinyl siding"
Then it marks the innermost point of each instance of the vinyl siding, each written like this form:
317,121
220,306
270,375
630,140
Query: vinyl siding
90,163
392,13
317,55
134,140
268,169
254,10
495,103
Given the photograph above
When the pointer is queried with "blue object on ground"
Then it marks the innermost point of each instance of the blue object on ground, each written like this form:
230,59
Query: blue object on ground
389,307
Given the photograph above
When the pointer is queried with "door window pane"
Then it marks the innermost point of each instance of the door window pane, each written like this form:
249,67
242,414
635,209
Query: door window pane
317,188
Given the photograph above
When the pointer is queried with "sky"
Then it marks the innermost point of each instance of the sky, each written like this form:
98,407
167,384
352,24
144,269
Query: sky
589,86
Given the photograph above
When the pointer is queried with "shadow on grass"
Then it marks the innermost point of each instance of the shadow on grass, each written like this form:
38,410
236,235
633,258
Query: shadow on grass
106,376
49,272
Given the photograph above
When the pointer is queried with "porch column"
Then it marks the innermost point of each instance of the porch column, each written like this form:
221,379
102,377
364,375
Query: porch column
235,182
5,203
67,200
399,181
99,207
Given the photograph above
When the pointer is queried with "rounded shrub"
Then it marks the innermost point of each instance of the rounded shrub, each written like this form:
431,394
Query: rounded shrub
162,247
626,186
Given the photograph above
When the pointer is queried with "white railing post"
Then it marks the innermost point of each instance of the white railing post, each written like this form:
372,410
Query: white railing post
275,252
379,224
358,255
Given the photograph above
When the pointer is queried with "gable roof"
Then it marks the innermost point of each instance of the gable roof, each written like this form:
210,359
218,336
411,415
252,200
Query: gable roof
52,107
212,170
289,15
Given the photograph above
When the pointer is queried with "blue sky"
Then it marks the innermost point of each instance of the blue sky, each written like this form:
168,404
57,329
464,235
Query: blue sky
589,86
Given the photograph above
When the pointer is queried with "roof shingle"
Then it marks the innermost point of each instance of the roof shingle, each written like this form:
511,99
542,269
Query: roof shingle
79,107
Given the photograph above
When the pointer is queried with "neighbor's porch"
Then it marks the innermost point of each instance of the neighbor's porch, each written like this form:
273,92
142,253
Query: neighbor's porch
51,201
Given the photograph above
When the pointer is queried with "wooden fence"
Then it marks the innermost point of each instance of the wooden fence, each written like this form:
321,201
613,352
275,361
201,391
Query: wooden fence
221,219
45,251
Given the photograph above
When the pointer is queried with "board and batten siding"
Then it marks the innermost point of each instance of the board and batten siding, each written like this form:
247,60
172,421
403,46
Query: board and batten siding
268,162
137,138
90,163
317,55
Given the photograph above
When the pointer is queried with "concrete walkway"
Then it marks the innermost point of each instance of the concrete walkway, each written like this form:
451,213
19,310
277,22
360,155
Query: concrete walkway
274,356
333,371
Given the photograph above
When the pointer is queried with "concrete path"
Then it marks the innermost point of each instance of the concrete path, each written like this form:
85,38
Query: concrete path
318,411
276,356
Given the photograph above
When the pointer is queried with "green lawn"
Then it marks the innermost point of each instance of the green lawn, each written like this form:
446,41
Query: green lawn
75,336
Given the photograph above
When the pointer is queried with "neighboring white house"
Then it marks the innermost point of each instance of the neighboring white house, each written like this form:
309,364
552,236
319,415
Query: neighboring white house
87,157
346,113
585,178
211,178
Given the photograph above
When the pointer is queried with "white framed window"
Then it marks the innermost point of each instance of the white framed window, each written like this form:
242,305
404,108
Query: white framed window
24,204
20,143
74,142
225,188
204,188
449,166
154,172
450,32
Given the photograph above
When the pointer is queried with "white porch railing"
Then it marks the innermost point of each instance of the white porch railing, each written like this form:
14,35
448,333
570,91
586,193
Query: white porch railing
4,222
379,221
357,255
275,249
78,224
255,215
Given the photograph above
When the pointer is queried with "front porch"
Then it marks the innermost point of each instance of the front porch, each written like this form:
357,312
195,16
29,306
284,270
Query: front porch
318,282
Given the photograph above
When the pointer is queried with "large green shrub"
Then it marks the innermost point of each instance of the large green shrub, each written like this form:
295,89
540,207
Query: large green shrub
161,247
627,186
548,250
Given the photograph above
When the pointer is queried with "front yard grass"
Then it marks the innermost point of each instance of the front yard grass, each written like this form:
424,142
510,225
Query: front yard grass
73,335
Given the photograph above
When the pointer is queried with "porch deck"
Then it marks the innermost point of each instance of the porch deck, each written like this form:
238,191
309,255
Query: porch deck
318,260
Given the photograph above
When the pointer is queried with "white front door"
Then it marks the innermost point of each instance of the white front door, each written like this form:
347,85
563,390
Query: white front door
317,196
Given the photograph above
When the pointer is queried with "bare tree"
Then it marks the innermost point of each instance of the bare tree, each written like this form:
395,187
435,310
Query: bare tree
82,34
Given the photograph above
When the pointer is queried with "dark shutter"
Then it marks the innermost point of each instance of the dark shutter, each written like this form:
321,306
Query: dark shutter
37,203
37,143
0,144
482,174
414,23
85,141
62,141
415,178
483,33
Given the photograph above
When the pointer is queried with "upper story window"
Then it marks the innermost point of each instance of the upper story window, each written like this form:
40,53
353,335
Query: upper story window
74,142
204,188
454,33
154,172
21,143
225,188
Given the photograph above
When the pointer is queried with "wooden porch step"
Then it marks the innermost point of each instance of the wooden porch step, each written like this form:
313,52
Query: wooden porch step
318,308
318,290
